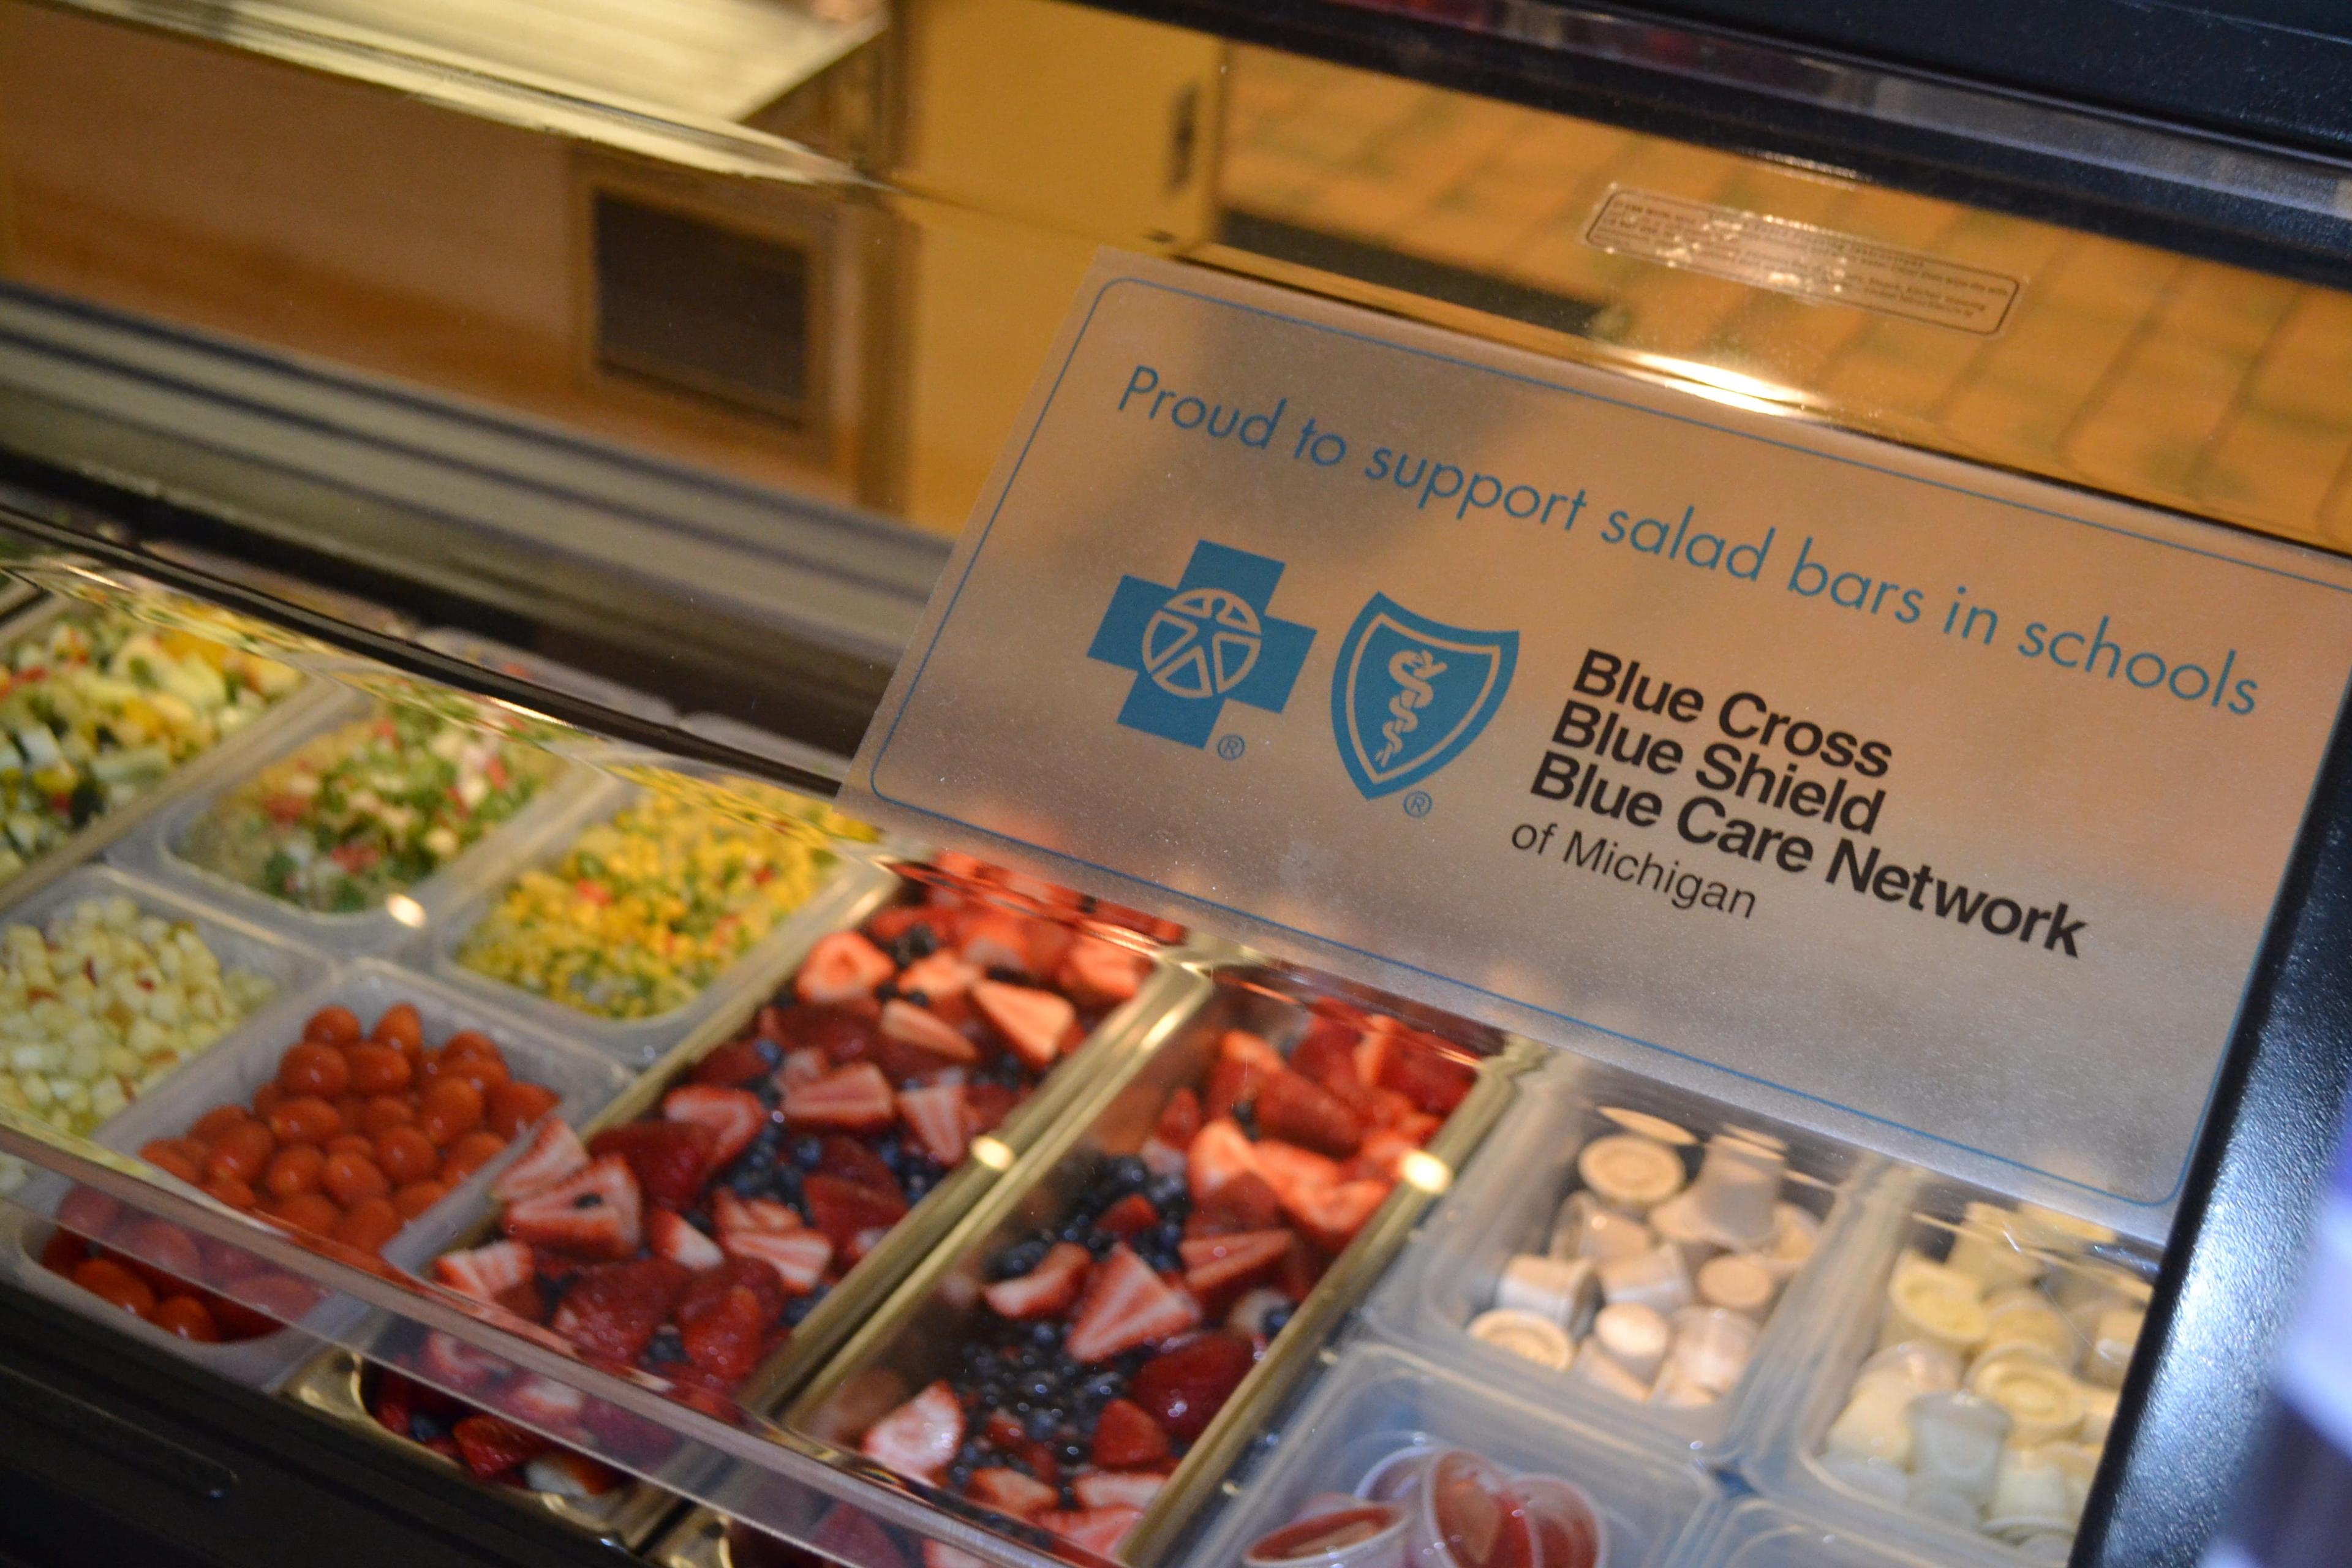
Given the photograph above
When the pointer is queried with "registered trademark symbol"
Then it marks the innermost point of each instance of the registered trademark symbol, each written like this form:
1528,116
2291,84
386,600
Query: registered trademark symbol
1418,803
1229,747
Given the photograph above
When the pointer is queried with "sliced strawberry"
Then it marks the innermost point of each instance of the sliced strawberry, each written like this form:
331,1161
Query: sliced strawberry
886,926
1179,1119
597,1212
491,1446
484,1272
1294,1107
544,1401
937,1116
456,1367
849,1534
1241,1045
1183,1389
1216,1264
671,1160
939,1555
1127,1305
1381,1156
723,1330
1331,1216
565,1472
1221,1153
1328,1050
732,1116
802,1067
1427,1074
1035,1024
1097,1529
668,1236
1127,1437
920,1437
1050,942
1102,1489
554,1152
1292,1172
1101,974
965,868
842,967
1011,1491
854,1160
733,1216
928,1033
855,1098
844,1210
1303,1269
1046,1289
939,977
1233,1085
797,1257
612,1309
526,1301
1130,1216
986,1105
863,1243
997,941
738,1064
1161,1158
1243,1204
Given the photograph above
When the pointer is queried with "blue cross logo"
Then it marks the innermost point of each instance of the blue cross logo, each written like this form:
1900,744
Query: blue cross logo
1200,643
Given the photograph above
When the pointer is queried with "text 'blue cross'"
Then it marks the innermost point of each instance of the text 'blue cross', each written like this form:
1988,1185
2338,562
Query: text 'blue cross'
1202,643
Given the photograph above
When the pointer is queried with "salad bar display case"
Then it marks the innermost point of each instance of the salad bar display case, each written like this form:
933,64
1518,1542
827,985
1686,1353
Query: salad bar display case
578,984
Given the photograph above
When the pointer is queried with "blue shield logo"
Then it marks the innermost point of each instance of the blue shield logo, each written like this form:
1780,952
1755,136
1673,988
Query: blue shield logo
1410,694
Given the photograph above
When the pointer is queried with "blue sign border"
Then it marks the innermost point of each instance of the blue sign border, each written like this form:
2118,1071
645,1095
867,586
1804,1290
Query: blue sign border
874,773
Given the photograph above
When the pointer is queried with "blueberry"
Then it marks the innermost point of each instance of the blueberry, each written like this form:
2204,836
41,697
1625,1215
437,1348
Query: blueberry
426,1428
886,992
920,998
808,1152
917,1185
1275,1320
700,1220
916,943
770,1051
748,1183
1103,1387
1047,1335
1165,1192
665,1348
1167,1236
1005,974
1080,1229
797,1309
1247,1117
1074,1452
959,1476
1016,1462
1042,1421
974,1452
1069,1497
891,1153
770,1093
1129,1175
1014,1261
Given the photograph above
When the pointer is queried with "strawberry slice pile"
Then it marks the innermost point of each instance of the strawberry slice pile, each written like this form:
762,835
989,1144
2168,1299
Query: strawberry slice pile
493,1449
691,1242
1105,1344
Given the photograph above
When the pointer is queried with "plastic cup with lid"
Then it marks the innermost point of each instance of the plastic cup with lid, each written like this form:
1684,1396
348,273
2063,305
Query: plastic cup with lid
1466,1513
1343,1533
1928,1300
1561,1289
1712,1348
1657,1278
1988,1249
1955,1443
1876,1421
1629,1173
2029,1491
1738,1184
1570,1531
1927,1366
1796,1237
1585,1227
1596,1368
1636,1337
2113,1339
1681,1224
2043,1401
1532,1336
1738,1283
2021,1315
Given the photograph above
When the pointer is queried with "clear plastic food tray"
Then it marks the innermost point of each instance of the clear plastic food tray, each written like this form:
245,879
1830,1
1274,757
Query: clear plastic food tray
155,851
1755,1533
2081,1267
1506,1203
1376,1401
639,1042
290,966
249,1057
195,775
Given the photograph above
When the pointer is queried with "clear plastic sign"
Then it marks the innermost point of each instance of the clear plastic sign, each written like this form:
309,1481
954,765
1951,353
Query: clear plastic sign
1927,805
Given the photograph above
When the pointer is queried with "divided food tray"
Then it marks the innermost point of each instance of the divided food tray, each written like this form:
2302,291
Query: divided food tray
335,1387
1505,1205
120,825
1919,1210
327,1387
157,850
918,1336
637,1041
1377,1401
249,1057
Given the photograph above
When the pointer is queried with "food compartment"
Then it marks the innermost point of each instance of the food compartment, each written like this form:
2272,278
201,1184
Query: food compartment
643,911
1967,1378
1091,1351
102,717
396,1171
413,1419
750,1203
368,822
1756,1533
1637,1256
133,981
1394,1460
